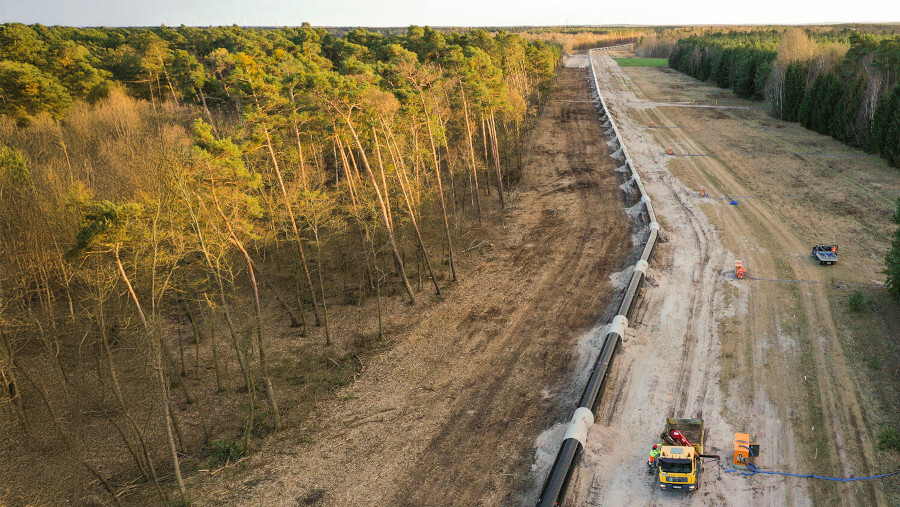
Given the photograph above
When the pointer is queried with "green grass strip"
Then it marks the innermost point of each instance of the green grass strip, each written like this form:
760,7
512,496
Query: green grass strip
642,62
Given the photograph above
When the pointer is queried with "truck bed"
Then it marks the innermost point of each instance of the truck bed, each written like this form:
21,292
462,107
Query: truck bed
826,256
692,429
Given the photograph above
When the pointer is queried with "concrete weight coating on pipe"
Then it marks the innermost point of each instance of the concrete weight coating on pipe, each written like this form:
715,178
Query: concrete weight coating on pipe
641,266
581,422
619,325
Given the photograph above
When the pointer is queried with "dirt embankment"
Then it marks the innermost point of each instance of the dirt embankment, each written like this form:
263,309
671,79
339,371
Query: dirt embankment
777,360
450,414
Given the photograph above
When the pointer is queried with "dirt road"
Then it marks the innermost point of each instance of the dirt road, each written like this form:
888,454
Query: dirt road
766,358
450,414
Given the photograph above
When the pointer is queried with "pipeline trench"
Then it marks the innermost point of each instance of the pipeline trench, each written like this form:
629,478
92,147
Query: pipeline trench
554,489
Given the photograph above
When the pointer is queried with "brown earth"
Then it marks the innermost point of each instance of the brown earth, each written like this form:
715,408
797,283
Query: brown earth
778,360
451,413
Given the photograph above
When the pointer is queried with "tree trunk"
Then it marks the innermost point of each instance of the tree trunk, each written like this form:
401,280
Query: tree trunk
295,320
241,356
263,364
287,204
401,178
197,337
322,285
437,172
299,145
471,149
205,107
303,322
163,386
362,229
384,184
384,212
492,125
217,368
168,81
487,160
290,211
8,377
164,400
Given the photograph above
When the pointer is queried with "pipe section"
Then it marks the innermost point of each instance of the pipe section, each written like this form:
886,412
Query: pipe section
576,435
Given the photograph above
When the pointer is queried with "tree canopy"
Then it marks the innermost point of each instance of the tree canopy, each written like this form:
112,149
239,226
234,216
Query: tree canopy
841,83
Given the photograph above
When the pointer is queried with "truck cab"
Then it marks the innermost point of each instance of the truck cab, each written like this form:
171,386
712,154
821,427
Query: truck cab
678,467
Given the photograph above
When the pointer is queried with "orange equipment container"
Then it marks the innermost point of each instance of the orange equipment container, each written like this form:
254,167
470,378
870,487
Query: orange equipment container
651,125
703,192
670,151
739,269
741,449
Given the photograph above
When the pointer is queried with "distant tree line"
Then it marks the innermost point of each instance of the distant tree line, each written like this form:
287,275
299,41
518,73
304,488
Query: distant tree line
840,83
892,260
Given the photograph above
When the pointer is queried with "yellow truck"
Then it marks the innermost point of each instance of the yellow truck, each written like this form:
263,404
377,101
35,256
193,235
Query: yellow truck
679,462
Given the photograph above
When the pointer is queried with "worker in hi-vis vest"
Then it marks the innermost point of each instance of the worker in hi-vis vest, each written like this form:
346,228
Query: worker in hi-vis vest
654,453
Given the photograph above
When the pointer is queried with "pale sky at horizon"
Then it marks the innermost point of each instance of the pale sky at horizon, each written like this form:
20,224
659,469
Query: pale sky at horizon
441,13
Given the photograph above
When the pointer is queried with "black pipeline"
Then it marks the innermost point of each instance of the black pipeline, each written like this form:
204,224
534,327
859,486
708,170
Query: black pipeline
574,440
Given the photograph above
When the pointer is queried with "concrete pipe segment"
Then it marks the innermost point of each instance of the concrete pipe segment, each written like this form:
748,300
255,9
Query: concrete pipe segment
574,440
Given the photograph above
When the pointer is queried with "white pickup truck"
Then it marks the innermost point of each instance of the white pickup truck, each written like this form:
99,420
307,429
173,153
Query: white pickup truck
825,254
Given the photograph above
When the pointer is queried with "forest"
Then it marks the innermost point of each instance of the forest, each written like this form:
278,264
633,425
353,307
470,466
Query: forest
173,199
841,82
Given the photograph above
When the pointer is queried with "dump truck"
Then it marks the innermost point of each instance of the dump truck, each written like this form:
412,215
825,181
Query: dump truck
825,254
679,462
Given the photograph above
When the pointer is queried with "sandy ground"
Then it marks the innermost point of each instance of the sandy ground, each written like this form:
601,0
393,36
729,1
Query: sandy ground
766,358
449,415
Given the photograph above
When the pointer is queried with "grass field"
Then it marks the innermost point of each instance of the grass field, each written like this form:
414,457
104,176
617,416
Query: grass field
642,62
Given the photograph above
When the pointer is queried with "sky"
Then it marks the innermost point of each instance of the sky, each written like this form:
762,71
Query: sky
377,13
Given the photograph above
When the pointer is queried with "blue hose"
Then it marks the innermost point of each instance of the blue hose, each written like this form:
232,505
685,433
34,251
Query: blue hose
815,281
753,470
787,153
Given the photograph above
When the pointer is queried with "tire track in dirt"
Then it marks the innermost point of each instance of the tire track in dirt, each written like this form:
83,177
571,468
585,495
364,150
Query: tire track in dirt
688,401
688,358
